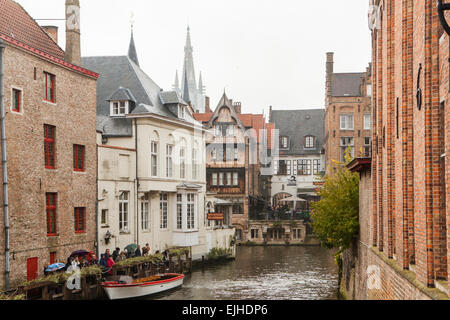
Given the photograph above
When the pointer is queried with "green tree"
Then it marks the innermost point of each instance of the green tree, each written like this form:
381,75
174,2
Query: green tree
335,216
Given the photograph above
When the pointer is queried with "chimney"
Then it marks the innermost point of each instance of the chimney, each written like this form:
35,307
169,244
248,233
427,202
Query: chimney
73,45
52,31
329,72
207,107
238,107
270,114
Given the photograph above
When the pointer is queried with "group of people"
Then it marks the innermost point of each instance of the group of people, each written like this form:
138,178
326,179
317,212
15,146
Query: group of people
108,259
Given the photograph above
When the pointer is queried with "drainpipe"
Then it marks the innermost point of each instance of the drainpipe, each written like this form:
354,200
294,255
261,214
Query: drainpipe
4,167
137,181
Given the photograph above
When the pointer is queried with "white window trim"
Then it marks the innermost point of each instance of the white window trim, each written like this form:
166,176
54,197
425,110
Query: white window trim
111,110
145,202
370,121
125,223
161,213
169,160
347,127
152,153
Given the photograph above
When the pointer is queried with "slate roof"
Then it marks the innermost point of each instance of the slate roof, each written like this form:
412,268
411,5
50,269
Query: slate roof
121,77
296,125
346,84
16,23
122,94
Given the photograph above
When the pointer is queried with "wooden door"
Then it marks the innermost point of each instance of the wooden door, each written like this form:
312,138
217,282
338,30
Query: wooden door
32,268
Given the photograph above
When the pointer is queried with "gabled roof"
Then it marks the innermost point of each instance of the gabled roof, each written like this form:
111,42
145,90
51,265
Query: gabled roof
16,23
297,124
225,102
122,94
346,84
122,71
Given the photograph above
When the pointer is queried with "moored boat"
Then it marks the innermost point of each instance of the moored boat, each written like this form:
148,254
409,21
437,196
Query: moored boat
125,287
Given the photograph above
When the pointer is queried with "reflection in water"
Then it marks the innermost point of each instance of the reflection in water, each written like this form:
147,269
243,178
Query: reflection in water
264,273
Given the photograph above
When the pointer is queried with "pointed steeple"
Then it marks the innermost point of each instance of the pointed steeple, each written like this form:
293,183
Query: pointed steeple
132,53
188,45
186,96
176,85
201,87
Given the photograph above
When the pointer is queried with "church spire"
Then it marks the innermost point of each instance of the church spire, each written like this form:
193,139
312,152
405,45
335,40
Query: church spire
201,87
176,85
132,53
186,96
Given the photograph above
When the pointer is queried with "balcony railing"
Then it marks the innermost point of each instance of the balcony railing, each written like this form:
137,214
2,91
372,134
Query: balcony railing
280,216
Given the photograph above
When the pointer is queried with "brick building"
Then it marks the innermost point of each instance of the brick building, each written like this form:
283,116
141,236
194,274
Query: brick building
407,235
233,168
49,102
348,113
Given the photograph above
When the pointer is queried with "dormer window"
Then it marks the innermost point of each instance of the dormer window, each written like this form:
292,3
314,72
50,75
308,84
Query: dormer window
309,142
119,108
284,142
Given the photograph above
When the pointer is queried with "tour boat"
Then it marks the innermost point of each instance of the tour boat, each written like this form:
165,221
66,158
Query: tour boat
125,287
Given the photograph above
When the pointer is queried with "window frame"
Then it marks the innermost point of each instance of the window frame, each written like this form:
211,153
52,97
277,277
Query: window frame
163,211
182,163
154,163
52,77
145,212
346,117
47,142
124,208
310,142
214,179
80,211
169,161
48,210
369,120
179,211
16,100
76,159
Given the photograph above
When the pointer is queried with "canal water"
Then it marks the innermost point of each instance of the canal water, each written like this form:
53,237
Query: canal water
264,273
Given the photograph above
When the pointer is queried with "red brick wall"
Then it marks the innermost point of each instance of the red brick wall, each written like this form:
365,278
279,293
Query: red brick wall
408,175
74,116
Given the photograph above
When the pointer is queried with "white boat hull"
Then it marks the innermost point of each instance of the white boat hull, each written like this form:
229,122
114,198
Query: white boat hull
128,291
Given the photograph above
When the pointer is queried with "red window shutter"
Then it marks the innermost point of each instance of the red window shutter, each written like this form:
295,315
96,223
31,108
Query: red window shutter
80,220
49,146
78,157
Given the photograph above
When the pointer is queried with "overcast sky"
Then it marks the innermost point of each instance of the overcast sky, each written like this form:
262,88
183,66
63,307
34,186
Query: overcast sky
263,52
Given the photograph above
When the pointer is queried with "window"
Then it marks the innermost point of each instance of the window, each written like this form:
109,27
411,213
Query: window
284,142
154,157
182,163
229,179
78,157
181,112
16,100
123,211
214,179
169,162
221,176
50,207
194,164
347,145
304,167
236,153
367,121
190,211
316,166
297,233
49,85
367,147
80,220
214,154
235,179
49,146
104,217
346,122
179,211
238,208
309,142
145,216
282,168
369,90
230,130
255,233
163,206
288,166
119,108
